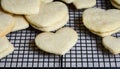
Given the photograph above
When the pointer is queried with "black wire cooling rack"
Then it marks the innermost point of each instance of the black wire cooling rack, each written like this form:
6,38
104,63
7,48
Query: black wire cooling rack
88,52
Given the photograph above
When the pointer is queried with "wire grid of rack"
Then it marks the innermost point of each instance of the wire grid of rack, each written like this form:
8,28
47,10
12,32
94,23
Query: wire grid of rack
88,52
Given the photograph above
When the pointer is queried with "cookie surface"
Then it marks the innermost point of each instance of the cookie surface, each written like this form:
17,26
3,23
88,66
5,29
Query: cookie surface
6,52
112,44
80,4
47,1
115,4
57,11
101,21
21,6
5,47
116,1
106,33
21,23
68,1
4,43
58,43
7,23
55,26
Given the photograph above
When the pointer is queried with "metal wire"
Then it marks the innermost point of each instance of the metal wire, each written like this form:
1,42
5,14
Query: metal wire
88,52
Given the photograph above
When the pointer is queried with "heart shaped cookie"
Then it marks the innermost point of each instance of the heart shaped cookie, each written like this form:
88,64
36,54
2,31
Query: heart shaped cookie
55,26
58,43
49,14
21,6
80,4
112,44
102,21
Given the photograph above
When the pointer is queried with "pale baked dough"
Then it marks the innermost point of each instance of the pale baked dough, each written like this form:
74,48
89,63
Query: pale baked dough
49,14
6,52
7,23
101,21
26,7
68,1
4,43
106,33
58,43
47,1
116,1
80,4
54,27
5,47
115,4
21,23
112,44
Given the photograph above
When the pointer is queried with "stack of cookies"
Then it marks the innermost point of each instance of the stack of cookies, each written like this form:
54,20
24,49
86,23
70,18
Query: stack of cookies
104,23
51,17
43,15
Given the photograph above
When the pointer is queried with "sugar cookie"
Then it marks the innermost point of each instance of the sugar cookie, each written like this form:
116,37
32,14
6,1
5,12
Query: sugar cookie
50,13
80,4
26,7
58,43
54,27
112,44
102,21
